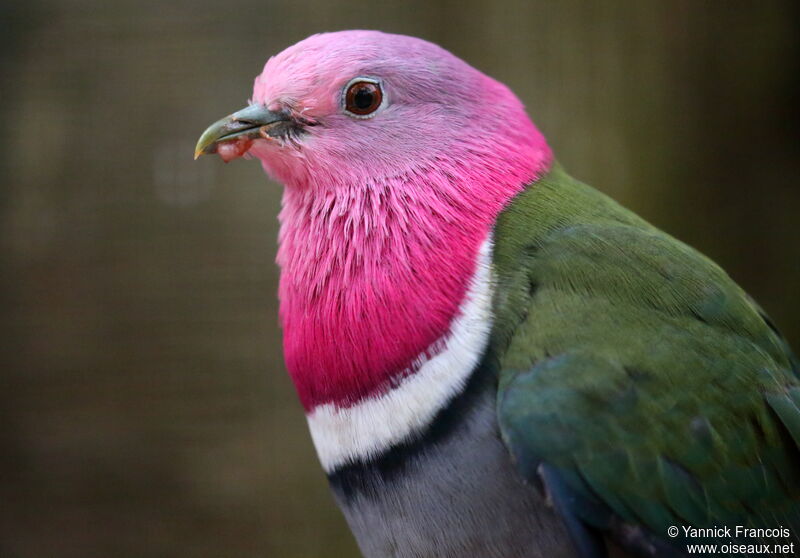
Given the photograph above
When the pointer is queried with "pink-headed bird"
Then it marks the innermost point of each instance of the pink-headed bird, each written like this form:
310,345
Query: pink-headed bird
495,359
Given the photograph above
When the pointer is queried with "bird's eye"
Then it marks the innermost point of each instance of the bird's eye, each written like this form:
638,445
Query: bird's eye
363,97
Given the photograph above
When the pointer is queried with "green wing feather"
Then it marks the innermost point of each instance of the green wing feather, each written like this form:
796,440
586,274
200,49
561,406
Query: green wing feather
639,370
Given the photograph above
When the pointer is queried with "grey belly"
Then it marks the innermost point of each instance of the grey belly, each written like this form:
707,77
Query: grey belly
459,496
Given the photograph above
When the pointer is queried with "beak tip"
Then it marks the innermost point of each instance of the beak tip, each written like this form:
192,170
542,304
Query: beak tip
203,148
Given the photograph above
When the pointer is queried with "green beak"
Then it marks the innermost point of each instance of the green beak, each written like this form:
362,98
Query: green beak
247,122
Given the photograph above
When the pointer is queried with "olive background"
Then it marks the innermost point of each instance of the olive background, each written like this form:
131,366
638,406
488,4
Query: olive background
144,407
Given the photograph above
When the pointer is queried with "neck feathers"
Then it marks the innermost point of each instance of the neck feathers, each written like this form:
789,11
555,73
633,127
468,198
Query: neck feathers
374,271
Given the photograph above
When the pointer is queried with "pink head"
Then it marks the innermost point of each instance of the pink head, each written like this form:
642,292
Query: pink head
391,188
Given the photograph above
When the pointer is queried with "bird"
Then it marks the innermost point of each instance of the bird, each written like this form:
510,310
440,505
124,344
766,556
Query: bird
494,358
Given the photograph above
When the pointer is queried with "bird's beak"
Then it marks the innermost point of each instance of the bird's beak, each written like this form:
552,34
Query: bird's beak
249,122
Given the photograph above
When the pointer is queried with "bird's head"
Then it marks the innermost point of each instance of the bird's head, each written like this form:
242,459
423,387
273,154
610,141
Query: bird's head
397,157
357,106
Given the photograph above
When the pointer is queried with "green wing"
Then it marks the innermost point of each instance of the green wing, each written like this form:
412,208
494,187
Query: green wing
639,372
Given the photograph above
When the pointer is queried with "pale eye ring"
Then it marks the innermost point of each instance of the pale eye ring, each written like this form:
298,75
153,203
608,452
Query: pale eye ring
363,97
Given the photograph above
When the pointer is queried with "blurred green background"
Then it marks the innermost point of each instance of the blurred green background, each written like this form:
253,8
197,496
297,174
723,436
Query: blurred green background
144,409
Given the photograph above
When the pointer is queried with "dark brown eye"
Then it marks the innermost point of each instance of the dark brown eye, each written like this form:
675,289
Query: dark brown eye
363,98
